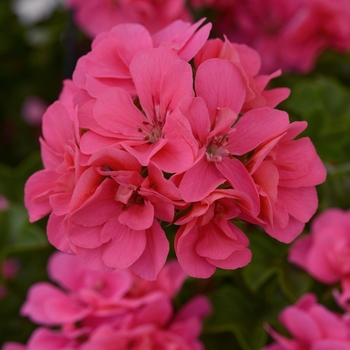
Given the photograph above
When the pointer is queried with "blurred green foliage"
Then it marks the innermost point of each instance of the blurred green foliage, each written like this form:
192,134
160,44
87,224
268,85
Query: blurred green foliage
35,59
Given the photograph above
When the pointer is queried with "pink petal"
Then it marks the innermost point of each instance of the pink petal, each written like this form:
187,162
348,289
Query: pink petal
299,250
125,246
37,190
239,178
84,236
213,83
104,60
196,112
288,233
66,270
185,247
214,243
138,216
115,111
115,159
50,306
155,254
144,151
300,324
200,180
151,69
237,259
301,210
182,37
57,128
99,208
43,339
255,127
56,233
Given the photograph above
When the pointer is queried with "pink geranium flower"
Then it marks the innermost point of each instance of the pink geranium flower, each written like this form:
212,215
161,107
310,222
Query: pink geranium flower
117,226
249,63
222,137
95,310
325,252
285,170
207,239
312,326
96,16
156,132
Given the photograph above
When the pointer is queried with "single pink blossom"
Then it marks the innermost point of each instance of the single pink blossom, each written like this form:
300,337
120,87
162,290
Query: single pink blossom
117,226
156,132
207,239
95,16
249,63
221,135
285,170
311,326
325,252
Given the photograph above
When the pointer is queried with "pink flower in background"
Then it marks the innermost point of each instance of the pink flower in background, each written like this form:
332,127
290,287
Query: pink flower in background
93,309
9,270
96,16
33,109
312,327
4,203
289,35
325,253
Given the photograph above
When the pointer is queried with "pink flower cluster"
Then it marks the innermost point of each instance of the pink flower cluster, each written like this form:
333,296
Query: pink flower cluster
288,34
96,16
110,310
312,326
140,139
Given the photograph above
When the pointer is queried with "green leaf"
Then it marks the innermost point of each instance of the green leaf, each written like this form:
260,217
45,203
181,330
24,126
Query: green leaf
267,256
19,233
234,312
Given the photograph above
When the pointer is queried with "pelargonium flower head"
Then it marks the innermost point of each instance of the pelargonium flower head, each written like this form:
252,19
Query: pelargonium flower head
94,309
312,326
249,62
324,253
207,239
95,16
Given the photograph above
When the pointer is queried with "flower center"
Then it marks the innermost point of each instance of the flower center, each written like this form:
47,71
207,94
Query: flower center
152,131
216,149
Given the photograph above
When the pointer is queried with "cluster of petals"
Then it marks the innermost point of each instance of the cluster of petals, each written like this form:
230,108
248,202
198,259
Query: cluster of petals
325,252
288,34
137,141
102,310
312,326
96,16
